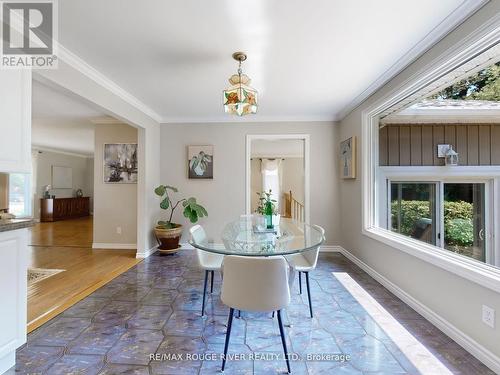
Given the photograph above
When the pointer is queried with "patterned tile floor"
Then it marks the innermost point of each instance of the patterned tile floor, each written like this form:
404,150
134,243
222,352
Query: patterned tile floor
154,308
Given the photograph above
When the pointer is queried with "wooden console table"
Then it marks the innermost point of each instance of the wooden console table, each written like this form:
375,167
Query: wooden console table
64,208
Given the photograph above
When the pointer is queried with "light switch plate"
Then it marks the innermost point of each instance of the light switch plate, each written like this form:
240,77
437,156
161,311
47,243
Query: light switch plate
488,316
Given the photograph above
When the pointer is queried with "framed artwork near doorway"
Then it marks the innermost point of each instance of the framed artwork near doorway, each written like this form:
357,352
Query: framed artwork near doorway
348,158
120,163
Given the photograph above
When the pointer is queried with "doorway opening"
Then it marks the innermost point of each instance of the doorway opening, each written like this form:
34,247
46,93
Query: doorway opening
280,164
83,167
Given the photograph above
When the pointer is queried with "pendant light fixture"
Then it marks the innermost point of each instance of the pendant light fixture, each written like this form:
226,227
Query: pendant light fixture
240,98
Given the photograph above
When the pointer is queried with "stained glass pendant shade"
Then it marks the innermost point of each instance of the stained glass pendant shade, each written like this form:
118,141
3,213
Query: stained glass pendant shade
240,99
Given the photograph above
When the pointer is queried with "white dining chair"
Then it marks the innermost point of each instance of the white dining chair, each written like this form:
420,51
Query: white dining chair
255,284
210,262
305,262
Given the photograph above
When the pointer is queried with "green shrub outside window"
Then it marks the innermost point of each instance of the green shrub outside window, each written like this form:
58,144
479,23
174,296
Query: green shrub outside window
458,219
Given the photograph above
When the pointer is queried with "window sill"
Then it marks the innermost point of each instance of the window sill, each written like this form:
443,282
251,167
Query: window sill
482,274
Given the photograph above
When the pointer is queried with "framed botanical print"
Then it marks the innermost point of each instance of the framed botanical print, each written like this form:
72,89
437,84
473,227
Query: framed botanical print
201,162
348,158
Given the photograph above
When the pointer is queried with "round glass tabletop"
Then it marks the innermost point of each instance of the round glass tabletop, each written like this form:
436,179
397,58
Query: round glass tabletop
248,236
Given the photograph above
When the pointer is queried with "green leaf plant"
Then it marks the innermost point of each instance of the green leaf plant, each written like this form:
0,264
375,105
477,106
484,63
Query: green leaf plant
266,201
192,210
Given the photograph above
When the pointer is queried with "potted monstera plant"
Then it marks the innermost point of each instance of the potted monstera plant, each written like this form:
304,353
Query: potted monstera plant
168,233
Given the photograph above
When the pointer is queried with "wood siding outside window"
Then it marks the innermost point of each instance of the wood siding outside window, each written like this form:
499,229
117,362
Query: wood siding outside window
416,144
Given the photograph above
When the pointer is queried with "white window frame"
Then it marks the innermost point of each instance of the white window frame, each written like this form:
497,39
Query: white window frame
481,40
489,176
394,179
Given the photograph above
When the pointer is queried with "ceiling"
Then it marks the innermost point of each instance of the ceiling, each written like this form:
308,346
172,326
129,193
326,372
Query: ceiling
48,102
61,121
309,60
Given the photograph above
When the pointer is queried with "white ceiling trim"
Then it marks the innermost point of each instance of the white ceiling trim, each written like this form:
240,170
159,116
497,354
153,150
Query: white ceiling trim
83,67
248,119
105,120
445,117
464,11
60,151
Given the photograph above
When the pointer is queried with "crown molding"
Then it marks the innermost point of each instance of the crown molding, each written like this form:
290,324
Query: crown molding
83,67
459,15
63,152
247,120
105,120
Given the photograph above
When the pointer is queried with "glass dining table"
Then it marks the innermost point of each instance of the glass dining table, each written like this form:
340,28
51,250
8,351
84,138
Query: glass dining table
248,236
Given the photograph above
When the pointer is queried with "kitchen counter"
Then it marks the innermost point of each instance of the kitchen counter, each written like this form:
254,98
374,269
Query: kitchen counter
13,224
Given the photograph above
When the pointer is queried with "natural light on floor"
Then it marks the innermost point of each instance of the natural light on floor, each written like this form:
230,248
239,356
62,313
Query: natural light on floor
417,354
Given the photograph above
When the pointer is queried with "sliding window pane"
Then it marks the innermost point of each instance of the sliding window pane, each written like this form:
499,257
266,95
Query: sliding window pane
413,212
464,219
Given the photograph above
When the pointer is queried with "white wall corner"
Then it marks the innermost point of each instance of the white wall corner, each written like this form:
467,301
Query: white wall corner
146,253
468,343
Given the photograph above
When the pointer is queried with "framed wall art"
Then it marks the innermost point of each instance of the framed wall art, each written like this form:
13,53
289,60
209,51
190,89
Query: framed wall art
201,162
348,158
120,163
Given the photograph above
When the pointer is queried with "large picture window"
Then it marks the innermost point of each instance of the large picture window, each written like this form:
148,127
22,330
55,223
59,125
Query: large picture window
416,199
450,215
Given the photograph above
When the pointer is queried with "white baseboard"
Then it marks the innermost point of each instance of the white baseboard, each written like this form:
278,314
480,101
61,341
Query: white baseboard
473,347
145,254
330,249
118,246
8,361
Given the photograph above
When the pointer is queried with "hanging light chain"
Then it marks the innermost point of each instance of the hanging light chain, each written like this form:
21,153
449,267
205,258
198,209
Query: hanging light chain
240,89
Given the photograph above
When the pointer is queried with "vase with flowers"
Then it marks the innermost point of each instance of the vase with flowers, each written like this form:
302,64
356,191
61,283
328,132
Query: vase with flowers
267,208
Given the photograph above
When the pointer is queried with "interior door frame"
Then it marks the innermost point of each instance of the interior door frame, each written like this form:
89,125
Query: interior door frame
248,153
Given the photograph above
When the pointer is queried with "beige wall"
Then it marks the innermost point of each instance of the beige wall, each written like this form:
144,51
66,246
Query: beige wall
224,196
255,183
455,299
82,176
115,205
4,191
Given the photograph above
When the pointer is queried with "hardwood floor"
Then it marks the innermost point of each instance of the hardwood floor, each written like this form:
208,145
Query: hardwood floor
68,245
70,233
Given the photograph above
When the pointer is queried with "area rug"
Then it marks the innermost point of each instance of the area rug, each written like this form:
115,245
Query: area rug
38,274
